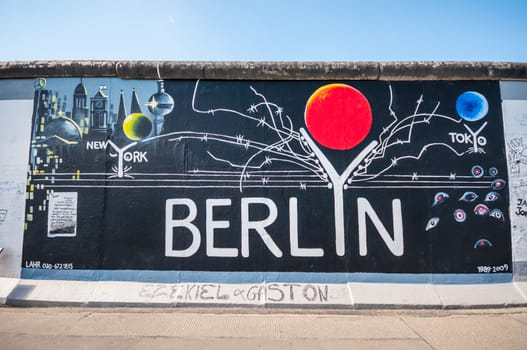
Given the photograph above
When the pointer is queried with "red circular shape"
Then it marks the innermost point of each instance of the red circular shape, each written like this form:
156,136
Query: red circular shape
338,116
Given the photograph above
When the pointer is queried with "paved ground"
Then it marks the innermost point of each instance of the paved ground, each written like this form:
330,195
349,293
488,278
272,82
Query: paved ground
216,328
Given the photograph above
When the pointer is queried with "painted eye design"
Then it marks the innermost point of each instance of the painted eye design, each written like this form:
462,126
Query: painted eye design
482,243
498,184
493,171
439,198
460,215
477,171
468,197
481,210
497,214
433,222
492,197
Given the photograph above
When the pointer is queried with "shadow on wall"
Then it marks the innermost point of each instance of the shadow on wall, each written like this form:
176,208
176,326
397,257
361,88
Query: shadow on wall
21,292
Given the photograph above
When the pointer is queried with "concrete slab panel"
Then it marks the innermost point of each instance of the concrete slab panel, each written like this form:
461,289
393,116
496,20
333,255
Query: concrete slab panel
521,287
109,293
24,341
520,318
515,132
365,295
187,325
16,89
513,90
15,117
28,341
352,295
6,287
21,322
466,332
472,295
48,293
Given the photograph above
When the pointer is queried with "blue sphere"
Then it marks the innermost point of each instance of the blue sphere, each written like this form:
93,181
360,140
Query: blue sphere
472,106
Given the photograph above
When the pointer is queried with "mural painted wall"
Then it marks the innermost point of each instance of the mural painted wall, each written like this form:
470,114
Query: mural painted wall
287,176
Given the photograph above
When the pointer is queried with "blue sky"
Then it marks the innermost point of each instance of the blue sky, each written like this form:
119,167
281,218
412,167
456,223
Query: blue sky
265,30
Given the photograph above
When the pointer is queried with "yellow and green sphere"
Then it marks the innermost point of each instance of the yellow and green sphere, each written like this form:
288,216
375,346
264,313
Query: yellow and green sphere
137,126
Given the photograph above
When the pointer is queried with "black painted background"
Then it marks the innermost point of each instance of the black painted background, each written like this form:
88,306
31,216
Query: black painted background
124,228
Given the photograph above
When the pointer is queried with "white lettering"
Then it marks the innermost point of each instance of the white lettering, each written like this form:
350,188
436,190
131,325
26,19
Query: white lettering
396,245
212,224
135,157
258,226
293,234
471,138
128,156
463,138
96,144
140,157
338,181
170,224
252,205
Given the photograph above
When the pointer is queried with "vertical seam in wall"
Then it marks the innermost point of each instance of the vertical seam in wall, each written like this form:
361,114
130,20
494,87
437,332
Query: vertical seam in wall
158,70
510,211
350,294
520,291
115,68
442,303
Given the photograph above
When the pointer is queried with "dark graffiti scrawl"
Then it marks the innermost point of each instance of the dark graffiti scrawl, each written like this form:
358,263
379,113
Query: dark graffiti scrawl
310,176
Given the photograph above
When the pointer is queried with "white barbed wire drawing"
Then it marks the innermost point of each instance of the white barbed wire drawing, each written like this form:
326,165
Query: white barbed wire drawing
398,133
290,158
288,147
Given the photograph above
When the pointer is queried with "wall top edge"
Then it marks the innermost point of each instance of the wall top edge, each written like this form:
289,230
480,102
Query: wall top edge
388,71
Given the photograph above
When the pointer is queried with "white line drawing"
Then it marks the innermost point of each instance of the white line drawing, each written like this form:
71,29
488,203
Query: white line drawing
474,135
120,170
304,163
390,137
517,154
274,120
338,183
288,148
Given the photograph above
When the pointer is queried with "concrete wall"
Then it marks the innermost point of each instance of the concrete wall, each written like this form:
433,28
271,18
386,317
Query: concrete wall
229,179
514,95
16,107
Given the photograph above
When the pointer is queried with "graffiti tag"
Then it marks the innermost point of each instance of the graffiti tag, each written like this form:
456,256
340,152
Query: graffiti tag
521,207
210,292
3,215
